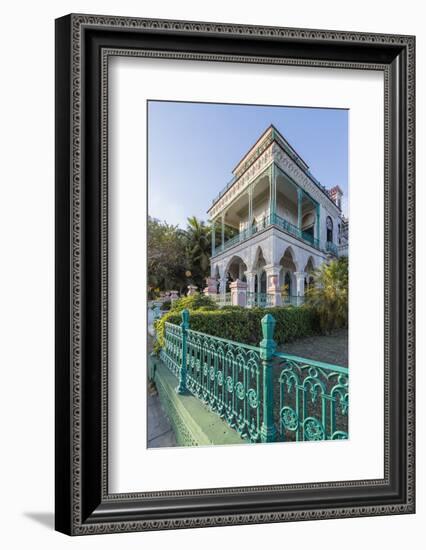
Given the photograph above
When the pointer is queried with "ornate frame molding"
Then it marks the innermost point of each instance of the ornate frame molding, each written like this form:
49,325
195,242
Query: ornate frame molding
83,504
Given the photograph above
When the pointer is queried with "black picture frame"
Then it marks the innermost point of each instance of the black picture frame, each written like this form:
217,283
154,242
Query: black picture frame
83,504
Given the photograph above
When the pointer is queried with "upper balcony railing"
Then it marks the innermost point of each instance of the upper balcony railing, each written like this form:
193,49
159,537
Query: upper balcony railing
225,189
331,248
267,221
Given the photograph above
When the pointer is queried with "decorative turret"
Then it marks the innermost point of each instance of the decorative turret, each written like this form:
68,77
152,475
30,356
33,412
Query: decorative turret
336,194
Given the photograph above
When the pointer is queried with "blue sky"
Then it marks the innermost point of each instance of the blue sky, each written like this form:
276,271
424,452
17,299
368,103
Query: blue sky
193,147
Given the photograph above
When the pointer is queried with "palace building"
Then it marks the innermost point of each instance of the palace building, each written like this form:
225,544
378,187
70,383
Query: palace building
284,224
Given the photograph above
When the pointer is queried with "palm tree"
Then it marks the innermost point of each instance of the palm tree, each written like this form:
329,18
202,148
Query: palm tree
329,295
199,248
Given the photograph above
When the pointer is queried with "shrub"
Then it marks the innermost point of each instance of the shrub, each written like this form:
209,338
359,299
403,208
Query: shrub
194,302
165,305
244,325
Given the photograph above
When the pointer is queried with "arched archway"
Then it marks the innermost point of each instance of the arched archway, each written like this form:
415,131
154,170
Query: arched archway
287,277
287,283
309,270
260,286
235,269
260,282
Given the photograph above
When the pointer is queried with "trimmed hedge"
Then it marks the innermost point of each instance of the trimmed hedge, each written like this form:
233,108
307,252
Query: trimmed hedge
244,325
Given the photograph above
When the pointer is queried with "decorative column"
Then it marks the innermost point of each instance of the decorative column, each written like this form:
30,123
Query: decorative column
213,237
211,287
300,282
267,350
299,208
272,194
251,277
174,295
223,232
250,209
238,293
273,284
192,289
222,285
317,211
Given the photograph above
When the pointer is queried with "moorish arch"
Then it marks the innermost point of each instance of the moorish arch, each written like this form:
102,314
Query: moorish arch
235,269
289,266
259,259
258,284
309,270
310,265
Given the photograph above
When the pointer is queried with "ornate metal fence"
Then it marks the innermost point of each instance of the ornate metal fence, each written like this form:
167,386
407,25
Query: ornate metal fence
259,299
171,353
263,394
313,399
222,299
225,376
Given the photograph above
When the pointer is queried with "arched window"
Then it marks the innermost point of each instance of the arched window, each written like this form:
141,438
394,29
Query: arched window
329,223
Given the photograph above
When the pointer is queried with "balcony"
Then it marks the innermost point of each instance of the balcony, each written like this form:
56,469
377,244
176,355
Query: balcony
268,221
331,248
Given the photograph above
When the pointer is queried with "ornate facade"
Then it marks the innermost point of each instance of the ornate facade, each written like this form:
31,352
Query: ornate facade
284,224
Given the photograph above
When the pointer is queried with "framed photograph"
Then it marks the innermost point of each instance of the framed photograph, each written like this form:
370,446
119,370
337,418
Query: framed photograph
234,274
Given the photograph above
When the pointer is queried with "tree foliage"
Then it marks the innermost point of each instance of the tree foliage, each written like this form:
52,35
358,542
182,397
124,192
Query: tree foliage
198,239
329,295
179,257
167,256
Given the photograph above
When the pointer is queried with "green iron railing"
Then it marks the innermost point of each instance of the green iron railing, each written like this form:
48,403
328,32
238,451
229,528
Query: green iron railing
225,376
332,248
293,300
313,399
264,395
222,299
259,299
267,221
171,354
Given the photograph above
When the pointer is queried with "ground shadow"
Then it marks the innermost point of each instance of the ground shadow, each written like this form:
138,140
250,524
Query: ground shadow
44,518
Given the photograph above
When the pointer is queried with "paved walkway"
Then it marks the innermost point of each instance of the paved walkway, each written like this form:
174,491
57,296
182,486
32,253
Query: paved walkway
160,433
328,349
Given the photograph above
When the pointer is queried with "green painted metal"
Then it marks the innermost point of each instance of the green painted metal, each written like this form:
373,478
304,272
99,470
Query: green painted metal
222,299
267,349
192,423
225,376
171,353
293,301
317,212
267,221
299,208
273,195
332,248
182,389
213,237
263,394
314,400
258,299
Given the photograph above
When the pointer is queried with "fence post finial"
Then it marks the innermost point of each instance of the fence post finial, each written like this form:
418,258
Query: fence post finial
182,389
267,350
185,319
